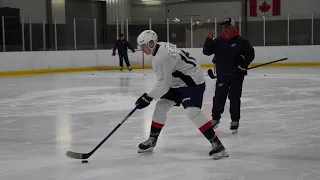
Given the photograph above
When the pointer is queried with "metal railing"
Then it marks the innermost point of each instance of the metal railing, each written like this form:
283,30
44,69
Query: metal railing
21,34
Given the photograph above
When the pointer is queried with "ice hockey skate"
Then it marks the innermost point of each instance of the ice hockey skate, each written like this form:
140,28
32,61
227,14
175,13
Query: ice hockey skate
148,145
234,125
218,150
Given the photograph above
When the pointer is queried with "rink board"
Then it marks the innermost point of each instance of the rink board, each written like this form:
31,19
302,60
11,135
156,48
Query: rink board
22,63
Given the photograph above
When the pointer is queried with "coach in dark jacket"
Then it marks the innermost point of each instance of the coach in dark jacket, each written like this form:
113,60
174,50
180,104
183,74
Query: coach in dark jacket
233,54
122,45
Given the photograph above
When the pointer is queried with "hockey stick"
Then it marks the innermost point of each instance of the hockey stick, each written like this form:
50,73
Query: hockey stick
76,155
212,76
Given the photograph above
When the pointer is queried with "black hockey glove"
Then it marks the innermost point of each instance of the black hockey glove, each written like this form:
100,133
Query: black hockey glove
242,63
239,72
143,101
241,69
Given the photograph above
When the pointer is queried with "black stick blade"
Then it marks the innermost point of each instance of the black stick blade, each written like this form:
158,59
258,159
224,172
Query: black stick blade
76,155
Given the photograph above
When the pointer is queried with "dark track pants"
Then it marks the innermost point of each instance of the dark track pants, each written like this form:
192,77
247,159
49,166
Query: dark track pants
231,88
126,59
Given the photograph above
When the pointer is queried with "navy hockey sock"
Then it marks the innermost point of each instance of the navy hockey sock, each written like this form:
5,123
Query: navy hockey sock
208,131
155,129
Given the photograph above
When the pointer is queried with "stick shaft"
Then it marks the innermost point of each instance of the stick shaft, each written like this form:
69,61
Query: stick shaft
87,155
271,62
212,76
114,130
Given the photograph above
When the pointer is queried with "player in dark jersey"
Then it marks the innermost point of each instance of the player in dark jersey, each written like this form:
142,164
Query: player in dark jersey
122,45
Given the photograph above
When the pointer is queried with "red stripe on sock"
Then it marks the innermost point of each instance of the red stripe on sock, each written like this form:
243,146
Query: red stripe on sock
206,126
157,125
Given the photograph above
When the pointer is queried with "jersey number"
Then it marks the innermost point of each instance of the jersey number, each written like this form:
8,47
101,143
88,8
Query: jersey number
187,58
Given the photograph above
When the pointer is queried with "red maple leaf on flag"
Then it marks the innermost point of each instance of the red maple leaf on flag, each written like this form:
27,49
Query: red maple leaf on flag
264,7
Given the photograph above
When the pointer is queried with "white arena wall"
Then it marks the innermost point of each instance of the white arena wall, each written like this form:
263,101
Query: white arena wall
54,61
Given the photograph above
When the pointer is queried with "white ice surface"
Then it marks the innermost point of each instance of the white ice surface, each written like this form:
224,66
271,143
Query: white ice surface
44,116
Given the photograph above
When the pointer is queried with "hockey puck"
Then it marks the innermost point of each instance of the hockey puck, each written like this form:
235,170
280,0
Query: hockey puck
92,74
264,75
145,74
84,161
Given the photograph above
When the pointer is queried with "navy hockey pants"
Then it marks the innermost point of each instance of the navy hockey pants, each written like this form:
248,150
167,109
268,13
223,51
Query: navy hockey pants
191,96
126,59
227,87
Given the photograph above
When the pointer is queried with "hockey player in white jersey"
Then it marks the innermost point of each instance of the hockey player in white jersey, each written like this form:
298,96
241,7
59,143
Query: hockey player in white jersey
180,81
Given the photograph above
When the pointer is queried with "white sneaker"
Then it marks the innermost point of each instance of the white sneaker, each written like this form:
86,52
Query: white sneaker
215,123
234,125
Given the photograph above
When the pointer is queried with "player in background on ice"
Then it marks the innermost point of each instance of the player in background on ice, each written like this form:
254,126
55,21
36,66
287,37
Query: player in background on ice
180,80
122,45
233,54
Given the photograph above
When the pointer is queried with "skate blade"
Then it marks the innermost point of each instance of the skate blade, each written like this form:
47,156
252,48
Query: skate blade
235,131
145,151
220,155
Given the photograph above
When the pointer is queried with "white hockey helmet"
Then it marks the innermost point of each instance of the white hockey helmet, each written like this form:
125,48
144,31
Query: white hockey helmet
146,37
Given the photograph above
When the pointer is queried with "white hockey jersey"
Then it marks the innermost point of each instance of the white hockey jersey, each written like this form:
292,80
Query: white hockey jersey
174,68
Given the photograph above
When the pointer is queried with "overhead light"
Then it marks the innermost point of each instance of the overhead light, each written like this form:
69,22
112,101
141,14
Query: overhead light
154,2
176,20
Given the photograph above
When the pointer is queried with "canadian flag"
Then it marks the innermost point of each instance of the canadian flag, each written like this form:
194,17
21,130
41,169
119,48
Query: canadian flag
265,7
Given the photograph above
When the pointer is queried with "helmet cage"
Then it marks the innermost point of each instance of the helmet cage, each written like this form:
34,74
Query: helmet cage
151,45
